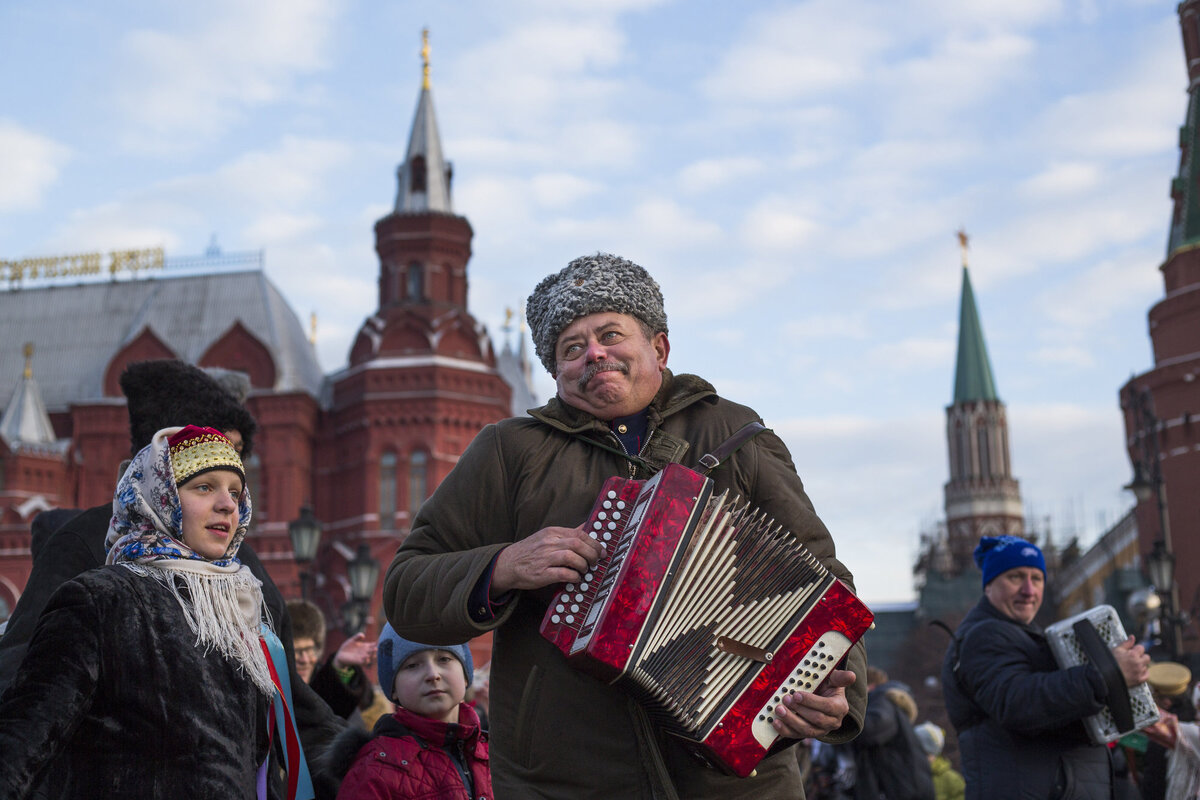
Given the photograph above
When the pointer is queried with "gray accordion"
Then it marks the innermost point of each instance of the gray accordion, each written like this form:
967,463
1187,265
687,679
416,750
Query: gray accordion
1070,645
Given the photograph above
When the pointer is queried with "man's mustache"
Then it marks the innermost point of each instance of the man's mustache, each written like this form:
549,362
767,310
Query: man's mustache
596,367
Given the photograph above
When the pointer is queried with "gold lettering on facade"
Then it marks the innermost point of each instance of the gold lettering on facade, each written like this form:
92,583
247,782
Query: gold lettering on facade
131,261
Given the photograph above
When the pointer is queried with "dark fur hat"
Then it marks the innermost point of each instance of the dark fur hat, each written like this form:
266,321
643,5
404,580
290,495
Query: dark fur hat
168,392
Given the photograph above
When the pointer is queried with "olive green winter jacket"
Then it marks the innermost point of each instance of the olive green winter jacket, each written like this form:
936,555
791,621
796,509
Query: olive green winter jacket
556,732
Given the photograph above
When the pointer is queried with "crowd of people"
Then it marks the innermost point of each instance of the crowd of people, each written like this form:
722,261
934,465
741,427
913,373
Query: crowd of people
152,656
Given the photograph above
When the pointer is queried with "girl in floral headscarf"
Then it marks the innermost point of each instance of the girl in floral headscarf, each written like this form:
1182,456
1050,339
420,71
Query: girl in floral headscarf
146,677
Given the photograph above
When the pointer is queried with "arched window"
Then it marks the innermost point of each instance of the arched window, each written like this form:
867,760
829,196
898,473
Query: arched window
416,281
387,491
418,481
419,181
985,453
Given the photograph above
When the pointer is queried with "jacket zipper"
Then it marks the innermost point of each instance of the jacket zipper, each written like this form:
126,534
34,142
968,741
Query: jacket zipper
629,464
459,757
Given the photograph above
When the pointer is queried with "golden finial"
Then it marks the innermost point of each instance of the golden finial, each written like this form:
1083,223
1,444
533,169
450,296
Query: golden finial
28,360
508,315
962,245
425,58
312,328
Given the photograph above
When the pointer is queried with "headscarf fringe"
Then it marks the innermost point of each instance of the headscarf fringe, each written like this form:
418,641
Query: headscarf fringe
222,609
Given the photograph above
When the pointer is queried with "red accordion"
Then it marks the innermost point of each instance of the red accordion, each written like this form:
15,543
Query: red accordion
704,610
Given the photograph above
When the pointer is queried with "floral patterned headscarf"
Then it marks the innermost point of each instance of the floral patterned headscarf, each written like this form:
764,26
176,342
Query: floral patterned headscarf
147,521
221,600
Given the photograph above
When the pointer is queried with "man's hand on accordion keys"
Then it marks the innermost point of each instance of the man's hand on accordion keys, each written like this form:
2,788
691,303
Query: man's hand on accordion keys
810,715
1131,657
552,555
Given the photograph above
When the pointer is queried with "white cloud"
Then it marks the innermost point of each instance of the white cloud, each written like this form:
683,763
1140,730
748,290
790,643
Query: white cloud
29,166
775,224
713,173
914,353
557,189
1133,114
271,229
182,88
1064,178
797,53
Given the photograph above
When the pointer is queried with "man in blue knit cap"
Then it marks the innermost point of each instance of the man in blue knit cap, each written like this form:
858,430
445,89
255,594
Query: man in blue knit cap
1019,716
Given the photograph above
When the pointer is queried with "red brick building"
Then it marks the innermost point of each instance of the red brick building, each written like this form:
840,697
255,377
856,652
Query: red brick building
1162,405
362,446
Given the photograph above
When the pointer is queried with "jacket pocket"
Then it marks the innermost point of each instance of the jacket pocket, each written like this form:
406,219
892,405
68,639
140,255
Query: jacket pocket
525,727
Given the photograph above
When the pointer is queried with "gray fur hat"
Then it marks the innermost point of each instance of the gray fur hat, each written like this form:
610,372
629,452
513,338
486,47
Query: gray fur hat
588,285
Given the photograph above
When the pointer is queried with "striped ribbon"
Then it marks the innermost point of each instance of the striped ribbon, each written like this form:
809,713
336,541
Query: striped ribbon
299,782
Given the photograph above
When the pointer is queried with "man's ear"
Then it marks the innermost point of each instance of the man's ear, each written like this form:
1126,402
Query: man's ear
662,347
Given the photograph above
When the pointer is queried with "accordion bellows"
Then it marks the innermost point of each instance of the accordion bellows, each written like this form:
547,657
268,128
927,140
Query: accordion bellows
1102,728
705,610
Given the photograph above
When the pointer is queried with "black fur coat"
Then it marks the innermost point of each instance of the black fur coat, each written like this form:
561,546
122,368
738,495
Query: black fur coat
114,693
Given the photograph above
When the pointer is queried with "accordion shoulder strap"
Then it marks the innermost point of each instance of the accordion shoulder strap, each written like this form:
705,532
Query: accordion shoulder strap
1102,659
710,461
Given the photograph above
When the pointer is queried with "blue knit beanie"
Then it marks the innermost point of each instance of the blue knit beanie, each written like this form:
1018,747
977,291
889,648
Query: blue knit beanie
996,555
393,649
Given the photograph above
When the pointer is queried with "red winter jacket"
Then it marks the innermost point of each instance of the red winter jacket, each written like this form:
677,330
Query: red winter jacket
408,759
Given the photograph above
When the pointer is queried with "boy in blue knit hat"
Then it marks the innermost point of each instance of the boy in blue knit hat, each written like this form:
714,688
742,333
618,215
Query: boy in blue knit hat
432,746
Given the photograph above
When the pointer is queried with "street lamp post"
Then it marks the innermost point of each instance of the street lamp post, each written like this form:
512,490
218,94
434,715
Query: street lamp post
363,573
305,534
1148,485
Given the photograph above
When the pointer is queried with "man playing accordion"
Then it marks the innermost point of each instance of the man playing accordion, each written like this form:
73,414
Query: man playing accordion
505,526
1019,716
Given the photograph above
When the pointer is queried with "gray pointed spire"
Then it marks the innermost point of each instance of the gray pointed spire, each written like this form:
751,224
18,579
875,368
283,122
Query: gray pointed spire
25,420
424,176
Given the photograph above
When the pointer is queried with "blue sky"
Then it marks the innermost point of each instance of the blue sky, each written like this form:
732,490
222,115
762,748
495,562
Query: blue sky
793,173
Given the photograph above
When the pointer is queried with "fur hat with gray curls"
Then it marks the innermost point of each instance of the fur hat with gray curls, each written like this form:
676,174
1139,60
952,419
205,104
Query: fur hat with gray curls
589,285
170,393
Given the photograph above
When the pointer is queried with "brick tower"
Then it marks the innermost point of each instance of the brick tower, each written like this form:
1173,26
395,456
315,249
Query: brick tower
982,497
422,377
1161,405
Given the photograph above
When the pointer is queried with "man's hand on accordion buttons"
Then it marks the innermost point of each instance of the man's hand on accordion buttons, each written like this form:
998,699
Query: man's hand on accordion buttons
805,715
552,555
1134,662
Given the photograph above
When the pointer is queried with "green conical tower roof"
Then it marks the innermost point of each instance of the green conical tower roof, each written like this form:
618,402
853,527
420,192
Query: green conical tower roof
973,374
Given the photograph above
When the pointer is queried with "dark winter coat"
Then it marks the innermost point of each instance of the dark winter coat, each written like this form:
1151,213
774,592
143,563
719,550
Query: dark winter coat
547,719
78,546
889,762
409,756
344,697
115,693
1019,717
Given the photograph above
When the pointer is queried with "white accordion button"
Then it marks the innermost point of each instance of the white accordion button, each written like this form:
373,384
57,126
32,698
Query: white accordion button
556,619
620,504
570,619
583,587
607,504
612,495
602,515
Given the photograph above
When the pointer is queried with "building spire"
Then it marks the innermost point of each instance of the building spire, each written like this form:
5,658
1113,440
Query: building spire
424,176
25,420
425,59
973,373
